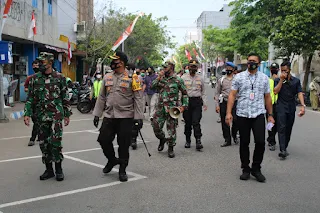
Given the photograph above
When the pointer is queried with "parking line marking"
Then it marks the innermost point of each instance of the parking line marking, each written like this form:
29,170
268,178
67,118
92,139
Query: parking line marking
100,166
72,132
71,152
67,193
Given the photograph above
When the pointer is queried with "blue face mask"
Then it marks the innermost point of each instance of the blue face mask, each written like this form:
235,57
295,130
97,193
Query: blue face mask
142,74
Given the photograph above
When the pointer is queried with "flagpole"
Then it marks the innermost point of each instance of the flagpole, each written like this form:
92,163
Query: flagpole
122,46
34,52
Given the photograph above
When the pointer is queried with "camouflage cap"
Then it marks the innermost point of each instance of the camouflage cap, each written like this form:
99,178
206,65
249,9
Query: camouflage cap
45,56
168,63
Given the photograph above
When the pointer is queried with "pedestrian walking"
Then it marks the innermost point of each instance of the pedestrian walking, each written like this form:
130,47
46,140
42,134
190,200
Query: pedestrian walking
274,69
35,127
197,99
314,87
287,87
222,93
48,99
168,86
121,100
253,90
151,95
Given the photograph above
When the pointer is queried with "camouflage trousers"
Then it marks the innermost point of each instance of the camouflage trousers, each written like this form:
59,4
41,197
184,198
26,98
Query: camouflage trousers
159,118
50,141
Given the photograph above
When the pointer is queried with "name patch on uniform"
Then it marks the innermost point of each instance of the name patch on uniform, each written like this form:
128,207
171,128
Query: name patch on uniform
109,81
47,81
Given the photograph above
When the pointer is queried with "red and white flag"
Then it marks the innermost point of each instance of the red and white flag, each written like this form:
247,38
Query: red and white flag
69,53
126,33
196,54
5,13
32,29
188,54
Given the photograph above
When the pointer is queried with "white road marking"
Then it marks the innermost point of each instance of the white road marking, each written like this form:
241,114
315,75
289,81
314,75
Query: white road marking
67,192
99,165
83,119
65,153
72,132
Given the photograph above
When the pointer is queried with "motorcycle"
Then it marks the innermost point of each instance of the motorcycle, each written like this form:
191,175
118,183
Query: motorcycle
84,104
73,90
213,81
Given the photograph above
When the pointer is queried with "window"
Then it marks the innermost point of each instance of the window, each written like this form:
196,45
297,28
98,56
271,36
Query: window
50,7
35,3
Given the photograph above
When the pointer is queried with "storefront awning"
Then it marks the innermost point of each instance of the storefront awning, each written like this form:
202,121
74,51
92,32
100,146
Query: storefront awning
57,49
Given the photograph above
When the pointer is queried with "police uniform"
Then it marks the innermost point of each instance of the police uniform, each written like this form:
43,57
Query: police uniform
121,100
197,98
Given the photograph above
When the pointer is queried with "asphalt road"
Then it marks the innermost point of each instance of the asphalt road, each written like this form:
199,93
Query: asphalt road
192,182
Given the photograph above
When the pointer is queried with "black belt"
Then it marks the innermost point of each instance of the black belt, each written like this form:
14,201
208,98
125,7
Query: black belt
195,97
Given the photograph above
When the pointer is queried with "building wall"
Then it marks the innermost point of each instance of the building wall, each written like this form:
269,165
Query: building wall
67,17
85,11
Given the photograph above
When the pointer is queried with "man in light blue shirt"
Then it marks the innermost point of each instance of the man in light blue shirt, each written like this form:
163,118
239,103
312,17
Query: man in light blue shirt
253,92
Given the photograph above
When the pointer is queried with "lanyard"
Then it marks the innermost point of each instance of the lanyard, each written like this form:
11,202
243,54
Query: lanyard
252,83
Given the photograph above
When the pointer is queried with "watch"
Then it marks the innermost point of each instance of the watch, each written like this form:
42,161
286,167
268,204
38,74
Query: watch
304,105
270,115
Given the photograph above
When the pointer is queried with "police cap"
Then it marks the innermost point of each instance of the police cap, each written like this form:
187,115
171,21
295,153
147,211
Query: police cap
193,62
119,55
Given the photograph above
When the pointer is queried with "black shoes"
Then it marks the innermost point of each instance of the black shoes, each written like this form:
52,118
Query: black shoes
199,146
171,152
283,155
245,176
122,170
259,176
134,143
59,172
48,173
188,143
31,143
161,144
110,165
236,140
272,147
226,143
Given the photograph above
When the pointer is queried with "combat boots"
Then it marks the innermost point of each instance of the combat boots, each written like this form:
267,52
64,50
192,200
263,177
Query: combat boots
110,165
122,170
161,144
171,152
48,173
198,144
59,172
188,142
134,143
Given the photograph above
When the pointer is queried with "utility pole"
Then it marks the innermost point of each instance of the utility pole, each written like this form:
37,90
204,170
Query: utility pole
3,118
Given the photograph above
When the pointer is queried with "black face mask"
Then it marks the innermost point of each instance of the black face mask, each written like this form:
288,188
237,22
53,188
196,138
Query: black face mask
36,70
229,72
253,65
274,72
42,68
138,73
167,73
114,65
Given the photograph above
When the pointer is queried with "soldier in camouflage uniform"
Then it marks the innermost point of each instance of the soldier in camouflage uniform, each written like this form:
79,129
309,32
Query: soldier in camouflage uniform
47,95
168,87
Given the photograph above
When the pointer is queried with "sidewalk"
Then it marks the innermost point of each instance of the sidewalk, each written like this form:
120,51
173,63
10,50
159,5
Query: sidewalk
18,107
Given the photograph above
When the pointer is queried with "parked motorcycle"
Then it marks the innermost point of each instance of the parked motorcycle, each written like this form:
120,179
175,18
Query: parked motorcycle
213,81
84,104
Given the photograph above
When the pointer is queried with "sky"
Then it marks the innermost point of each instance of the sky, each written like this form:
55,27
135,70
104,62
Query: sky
182,14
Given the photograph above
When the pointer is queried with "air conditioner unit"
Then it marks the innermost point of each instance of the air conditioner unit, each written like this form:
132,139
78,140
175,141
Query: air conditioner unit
79,27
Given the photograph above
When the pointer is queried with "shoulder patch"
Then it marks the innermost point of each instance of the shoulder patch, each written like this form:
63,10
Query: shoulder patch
136,84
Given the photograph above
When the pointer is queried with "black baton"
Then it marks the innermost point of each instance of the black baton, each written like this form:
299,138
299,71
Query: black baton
145,145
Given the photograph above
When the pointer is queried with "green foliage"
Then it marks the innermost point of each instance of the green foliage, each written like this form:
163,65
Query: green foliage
222,41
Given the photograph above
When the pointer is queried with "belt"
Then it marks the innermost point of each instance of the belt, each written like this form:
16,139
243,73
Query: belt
195,97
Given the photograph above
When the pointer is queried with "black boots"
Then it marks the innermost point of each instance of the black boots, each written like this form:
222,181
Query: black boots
59,172
161,144
198,144
226,143
134,143
171,152
110,165
122,170
188,143
48,173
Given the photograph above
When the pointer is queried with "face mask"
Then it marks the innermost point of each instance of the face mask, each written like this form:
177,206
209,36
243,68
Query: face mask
36,69
114,65
252,65
274,72
223,72
42,68
138,73
99,76
167,73
142,75
229,72
186,71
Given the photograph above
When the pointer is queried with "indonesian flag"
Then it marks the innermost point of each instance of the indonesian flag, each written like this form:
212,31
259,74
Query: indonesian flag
220,62
196,54
5,13
69,53
201,54
188,54
126,33
32,29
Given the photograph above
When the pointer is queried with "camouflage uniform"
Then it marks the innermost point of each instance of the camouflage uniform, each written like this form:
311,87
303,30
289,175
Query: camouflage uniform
168,88
48,97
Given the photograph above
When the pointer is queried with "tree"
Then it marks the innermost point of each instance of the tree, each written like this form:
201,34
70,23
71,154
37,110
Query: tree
222,41
293,26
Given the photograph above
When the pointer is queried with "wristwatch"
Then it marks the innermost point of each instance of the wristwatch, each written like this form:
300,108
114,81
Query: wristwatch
270,115
304,105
